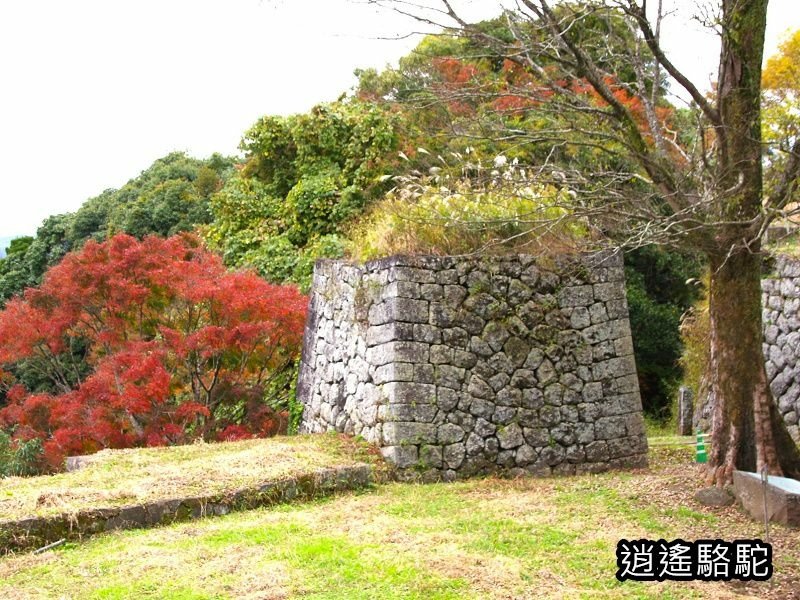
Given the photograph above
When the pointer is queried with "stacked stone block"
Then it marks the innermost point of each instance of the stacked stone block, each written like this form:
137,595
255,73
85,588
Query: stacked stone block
461,366
781,315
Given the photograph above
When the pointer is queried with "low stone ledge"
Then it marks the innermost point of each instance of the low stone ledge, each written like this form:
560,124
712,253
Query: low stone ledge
75,463
783,497
36,532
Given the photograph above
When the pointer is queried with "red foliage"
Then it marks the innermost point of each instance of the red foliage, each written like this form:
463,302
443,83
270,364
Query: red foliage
513,104
454,70
516,74
455,75
517,90
233,433
632,103
171,335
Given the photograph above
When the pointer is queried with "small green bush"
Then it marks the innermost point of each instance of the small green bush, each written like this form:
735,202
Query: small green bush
19,458
280,261
311,204
275,258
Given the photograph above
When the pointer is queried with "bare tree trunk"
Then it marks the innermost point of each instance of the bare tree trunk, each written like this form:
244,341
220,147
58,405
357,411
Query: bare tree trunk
748,432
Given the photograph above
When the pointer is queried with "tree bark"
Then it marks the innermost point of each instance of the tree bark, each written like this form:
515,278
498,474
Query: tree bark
747,430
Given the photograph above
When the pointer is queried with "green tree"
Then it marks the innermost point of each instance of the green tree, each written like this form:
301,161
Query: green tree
658,296
304,178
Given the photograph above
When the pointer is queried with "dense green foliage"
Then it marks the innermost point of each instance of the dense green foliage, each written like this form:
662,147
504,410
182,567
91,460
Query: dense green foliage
304,177
780,106
171,196
658,296
696,355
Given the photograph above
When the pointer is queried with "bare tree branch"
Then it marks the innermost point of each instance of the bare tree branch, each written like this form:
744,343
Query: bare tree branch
651,39
784,193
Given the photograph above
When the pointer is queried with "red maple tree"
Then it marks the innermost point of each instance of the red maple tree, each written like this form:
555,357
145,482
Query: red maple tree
177,347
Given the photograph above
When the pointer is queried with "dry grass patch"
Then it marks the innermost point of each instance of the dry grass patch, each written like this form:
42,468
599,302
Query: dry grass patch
142,475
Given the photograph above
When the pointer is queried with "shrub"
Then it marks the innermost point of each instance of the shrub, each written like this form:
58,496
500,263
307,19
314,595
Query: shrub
19,457
303,178
695,332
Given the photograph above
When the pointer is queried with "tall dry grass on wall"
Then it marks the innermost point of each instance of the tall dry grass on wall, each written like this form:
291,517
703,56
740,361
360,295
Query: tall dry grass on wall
444,215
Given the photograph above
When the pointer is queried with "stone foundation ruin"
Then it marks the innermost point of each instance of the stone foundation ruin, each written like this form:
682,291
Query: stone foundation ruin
460,366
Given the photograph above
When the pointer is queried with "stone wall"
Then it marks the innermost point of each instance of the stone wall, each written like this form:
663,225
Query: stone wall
456,367
781,314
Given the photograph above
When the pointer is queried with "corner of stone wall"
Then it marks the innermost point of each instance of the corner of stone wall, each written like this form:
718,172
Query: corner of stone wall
464,366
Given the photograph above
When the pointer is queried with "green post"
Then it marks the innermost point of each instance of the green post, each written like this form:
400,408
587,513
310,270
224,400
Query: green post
702,456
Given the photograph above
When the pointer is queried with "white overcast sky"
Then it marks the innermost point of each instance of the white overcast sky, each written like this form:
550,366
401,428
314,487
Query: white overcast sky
93,91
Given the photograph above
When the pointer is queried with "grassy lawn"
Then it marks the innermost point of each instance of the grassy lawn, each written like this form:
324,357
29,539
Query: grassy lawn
490,538
137,476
